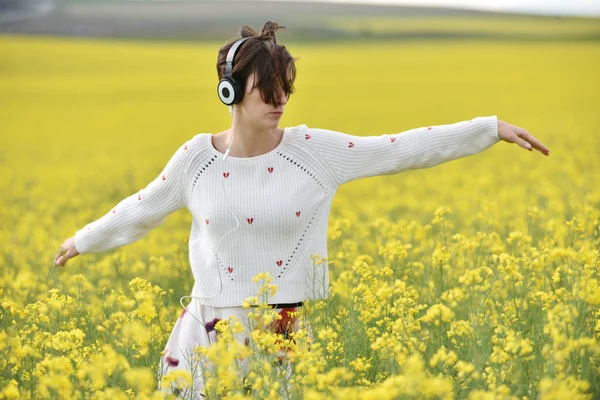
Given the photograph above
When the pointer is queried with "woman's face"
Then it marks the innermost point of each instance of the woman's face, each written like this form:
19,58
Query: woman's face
254,108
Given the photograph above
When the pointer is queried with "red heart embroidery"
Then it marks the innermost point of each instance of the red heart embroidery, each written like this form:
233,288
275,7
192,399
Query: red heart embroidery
230,269
206,220
307,136
250,220
279,263
429,128
185,148
139,196
297,213
393,139
350,144
270,169
114,211
164,178
225,174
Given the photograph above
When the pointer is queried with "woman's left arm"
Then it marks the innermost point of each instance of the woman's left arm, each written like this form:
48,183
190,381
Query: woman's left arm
352,157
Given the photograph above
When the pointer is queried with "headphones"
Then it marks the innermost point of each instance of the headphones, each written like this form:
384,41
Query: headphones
230,92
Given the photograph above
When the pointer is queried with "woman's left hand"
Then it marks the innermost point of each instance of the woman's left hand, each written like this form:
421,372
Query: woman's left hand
514,134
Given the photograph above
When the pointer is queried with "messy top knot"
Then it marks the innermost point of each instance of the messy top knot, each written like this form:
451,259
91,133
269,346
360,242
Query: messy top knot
274,66
266,33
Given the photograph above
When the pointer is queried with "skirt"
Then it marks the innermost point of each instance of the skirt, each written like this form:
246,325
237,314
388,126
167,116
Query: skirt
196,327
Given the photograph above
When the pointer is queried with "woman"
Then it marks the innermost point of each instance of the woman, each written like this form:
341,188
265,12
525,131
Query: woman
279,181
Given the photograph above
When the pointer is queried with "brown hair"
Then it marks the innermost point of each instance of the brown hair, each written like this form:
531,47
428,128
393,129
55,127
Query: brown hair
274,66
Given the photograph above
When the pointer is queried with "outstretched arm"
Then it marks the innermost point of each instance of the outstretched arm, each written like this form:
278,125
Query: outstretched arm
133,217
353,157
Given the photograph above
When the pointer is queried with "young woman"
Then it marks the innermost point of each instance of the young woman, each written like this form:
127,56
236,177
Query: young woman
273,186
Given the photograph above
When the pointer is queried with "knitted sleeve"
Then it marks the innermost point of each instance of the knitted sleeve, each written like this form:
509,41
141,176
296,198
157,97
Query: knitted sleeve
353,157
136,215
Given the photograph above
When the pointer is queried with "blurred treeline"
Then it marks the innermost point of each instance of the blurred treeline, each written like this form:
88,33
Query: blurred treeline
307,21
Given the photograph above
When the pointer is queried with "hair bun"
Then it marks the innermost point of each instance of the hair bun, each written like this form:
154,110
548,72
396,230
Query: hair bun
269,29
266,33
247,31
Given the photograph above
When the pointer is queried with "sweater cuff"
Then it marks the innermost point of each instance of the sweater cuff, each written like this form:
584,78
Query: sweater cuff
79,243
490,126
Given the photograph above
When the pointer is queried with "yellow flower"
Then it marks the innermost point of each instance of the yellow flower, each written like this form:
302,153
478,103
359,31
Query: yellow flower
361,364
140,379
11,390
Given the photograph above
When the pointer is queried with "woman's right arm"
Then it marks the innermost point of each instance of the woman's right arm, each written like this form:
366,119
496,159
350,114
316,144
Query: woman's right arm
135,216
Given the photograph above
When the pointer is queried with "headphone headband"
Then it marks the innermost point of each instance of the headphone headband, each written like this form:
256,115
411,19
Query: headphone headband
231,55
230,90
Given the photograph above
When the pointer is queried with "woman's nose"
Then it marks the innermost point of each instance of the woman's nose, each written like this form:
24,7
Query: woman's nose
283,97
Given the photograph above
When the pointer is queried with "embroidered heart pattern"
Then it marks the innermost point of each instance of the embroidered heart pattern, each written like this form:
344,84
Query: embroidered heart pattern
392,139
250,220
185,148
429,128
270,169
229,269
139,196
163,178
206,220
225,174
297,213
307,136
114,210
279,263
350,144
173,362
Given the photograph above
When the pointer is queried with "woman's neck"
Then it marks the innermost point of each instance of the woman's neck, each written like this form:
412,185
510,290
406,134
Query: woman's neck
247,143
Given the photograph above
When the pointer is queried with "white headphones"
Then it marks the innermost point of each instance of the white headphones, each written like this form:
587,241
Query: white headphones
230,92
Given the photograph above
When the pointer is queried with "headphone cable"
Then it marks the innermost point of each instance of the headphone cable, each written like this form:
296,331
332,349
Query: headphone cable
216,251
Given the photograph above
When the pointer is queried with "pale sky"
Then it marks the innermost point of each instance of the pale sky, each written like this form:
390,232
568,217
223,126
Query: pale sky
544,7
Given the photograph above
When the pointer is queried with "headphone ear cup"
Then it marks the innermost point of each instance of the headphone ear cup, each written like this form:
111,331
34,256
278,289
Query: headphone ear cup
227,90
230,91
238,91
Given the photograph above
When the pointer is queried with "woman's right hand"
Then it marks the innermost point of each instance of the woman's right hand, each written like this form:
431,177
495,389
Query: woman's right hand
66,252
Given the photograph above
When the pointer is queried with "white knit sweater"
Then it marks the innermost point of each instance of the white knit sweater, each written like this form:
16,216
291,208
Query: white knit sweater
281,198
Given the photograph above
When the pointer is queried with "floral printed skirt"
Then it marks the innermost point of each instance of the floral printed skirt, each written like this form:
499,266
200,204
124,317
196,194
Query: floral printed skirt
188,333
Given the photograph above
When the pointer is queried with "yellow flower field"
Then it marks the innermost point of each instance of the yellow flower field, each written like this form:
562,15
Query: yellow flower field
475,279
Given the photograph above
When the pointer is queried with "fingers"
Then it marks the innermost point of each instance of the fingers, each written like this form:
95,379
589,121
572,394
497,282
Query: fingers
66,251
523,143
57,256
61,257
531,141
60,260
